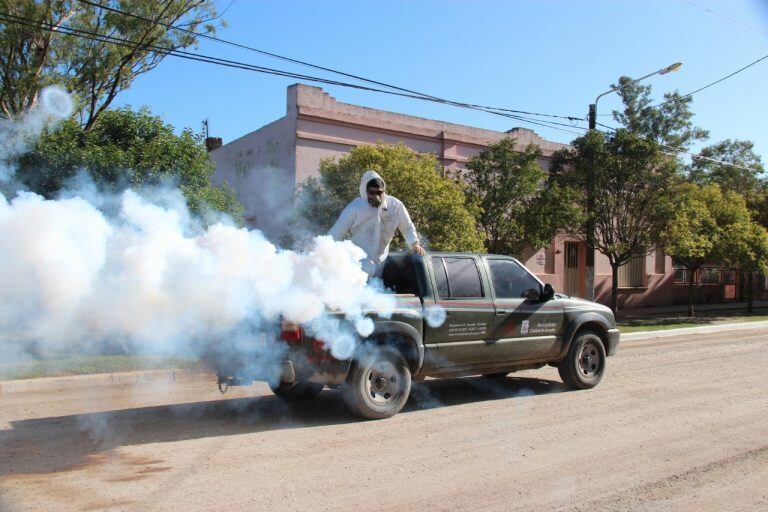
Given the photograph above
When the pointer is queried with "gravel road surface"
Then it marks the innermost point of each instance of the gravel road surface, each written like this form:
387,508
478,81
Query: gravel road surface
677,424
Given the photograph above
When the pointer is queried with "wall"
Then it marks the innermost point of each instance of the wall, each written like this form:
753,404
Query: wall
328,128
658,287
260,168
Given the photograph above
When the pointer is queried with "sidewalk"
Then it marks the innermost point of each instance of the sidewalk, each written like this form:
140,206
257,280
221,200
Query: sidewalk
631,313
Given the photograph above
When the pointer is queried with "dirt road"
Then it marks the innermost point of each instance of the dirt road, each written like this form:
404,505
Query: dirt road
677,424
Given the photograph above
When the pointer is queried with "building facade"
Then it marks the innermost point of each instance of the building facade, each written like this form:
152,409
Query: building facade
265,166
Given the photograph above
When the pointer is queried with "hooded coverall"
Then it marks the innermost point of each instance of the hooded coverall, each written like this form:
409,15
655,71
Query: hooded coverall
373,228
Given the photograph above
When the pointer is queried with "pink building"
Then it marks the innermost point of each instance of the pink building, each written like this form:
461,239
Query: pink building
266,165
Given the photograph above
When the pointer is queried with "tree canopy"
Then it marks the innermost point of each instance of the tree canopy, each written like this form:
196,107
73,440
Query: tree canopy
38,48
734,166
437,204
741,169
668,124
714,226
519,208
126,148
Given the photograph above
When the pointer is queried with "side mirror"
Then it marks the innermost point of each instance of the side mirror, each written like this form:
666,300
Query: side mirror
532,294
548,293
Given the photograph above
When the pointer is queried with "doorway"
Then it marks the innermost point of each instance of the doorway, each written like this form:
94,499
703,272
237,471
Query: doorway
730,283
572,269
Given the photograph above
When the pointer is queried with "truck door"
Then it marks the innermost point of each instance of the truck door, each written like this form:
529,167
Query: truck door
464,337
525,328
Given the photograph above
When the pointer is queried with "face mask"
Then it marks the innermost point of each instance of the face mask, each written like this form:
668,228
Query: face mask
375,200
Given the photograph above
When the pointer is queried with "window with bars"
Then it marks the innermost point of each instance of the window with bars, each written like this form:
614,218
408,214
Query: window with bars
631,273
682,275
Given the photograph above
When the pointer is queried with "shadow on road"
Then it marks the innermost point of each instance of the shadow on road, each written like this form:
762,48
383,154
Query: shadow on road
69,442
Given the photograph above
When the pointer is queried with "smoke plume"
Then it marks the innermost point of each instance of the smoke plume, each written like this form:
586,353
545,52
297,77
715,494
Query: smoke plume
138,271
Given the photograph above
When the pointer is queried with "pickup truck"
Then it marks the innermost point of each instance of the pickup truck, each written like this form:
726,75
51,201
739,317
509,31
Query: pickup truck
499,318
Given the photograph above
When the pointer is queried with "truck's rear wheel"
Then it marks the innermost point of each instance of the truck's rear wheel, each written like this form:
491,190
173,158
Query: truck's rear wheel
295,391
584,365
378,384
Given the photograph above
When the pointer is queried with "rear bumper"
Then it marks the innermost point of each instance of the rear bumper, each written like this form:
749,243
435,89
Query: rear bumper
299,368
613,342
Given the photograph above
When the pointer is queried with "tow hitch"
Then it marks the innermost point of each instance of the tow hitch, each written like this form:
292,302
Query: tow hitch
226,382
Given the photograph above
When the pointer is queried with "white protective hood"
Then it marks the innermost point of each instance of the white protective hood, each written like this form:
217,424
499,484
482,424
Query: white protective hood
368,176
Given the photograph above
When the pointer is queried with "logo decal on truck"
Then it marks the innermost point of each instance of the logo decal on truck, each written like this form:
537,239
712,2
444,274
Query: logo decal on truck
544,328
467,329
524,327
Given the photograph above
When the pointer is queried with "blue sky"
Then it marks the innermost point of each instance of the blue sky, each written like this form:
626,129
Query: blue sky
548,56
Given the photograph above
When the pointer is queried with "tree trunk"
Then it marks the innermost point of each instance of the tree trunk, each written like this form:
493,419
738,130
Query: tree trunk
691,292
750,291
614,288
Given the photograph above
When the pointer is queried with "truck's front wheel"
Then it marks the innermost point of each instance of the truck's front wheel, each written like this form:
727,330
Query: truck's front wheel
378,384
584,365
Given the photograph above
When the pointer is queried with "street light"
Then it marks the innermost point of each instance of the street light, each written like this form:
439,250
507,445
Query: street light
590,270
593,106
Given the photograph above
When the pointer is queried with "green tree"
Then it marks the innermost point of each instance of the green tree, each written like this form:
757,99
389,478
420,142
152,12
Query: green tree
734,166
751,255
35,50
126,148
436,204
635,194
712,226
742,170
668,124
519,208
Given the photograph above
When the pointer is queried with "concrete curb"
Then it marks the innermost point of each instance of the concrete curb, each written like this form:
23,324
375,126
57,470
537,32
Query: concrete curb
98,380
668,333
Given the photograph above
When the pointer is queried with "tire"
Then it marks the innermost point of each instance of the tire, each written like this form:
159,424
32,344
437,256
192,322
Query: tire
378,383
296,391
584,365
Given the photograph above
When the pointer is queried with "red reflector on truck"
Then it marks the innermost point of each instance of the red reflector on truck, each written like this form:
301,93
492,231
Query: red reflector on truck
291,333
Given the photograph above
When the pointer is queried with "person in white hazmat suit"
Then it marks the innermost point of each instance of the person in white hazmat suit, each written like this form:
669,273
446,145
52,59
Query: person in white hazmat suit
372,220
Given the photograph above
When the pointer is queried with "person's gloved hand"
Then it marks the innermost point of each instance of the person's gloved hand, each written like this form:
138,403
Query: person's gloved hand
418,249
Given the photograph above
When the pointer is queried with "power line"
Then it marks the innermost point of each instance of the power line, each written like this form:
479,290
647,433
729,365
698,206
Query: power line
727,76
725,17
93,36
714,83
679,151
315,66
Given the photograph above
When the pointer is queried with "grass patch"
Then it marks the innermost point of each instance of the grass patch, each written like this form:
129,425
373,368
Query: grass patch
81,365
681,321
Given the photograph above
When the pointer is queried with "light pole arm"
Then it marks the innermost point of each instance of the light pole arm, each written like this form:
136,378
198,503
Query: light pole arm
593,106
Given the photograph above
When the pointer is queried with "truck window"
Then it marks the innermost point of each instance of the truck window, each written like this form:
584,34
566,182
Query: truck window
463,278
510,280
441,277
399,275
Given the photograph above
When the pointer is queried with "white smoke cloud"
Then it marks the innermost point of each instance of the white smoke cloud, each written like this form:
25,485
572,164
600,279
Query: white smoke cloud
150,277
54,104
435,315
90,271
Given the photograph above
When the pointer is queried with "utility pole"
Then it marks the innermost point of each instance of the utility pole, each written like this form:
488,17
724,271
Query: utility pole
590,186
590,270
